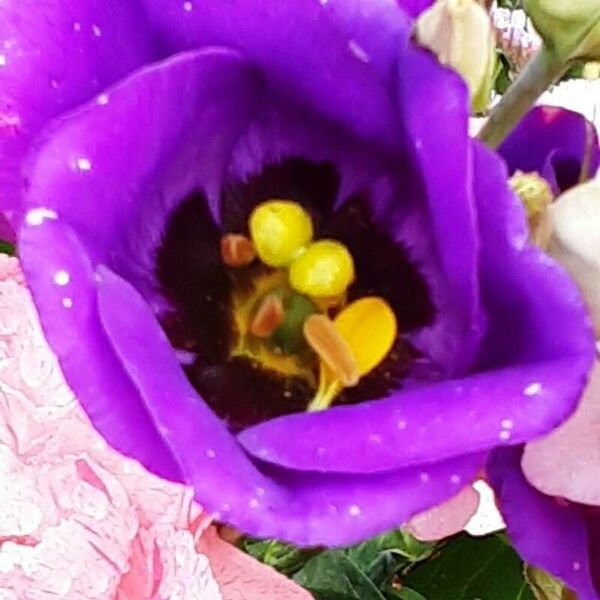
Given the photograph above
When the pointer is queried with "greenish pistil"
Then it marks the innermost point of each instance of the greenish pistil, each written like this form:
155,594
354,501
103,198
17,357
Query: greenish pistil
289,337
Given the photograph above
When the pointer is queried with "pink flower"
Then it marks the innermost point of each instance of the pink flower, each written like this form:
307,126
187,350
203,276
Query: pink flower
78,520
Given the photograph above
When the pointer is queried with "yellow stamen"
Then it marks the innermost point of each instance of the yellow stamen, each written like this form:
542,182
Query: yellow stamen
536,195
237,250
369,328
533,190
280,229
268,317
324,270
323,337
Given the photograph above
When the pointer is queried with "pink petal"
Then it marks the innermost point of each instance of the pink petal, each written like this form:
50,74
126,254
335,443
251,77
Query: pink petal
447,518
566,463
472,510
79,520
241,577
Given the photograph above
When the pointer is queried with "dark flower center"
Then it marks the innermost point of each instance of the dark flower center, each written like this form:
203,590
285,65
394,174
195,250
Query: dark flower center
238,324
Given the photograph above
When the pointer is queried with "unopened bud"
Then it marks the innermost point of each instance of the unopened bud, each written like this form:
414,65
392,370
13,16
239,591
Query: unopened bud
570,29
460,33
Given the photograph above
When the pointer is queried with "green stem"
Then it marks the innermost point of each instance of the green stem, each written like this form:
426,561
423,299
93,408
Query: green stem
539,74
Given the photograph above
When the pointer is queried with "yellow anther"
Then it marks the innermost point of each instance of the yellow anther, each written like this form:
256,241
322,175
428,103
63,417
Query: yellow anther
280,229
533,190
324,270
369,328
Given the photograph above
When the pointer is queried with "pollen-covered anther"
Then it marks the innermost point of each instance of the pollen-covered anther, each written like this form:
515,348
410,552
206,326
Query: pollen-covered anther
237,250
323,337
280,230
533,190
268,317
324,270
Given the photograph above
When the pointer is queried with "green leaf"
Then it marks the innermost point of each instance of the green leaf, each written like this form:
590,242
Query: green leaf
363,572
7,248
285,558
468,568
334,575
401,593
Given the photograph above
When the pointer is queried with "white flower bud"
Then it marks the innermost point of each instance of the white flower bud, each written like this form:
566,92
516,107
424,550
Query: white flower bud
460,33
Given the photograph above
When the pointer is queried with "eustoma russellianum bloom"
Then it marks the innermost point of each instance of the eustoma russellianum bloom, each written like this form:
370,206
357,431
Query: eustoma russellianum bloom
125,234
547,492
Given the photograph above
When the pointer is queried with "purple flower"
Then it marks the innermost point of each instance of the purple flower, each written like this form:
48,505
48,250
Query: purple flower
558,535
121,204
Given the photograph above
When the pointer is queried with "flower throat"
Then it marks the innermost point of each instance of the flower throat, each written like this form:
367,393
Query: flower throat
289,304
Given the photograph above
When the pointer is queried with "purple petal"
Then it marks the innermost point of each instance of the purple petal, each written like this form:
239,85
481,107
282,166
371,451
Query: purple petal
55,55
546,533
539,314
434,105
554,142
304,508
63,287
298,46
90,173
374,29
426,424
592,519
415,7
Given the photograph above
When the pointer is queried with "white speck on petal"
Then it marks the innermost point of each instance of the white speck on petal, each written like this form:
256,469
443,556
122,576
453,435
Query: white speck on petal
354,510
374,438
61,278
84,164
67,302
97,31
576,565
253,503
507,424
102,99
187,6
424,477
455,479
505,435
401,424
210,453
2,60
358,51
320,451
260,491
53,84
36,216
533,389
77,26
